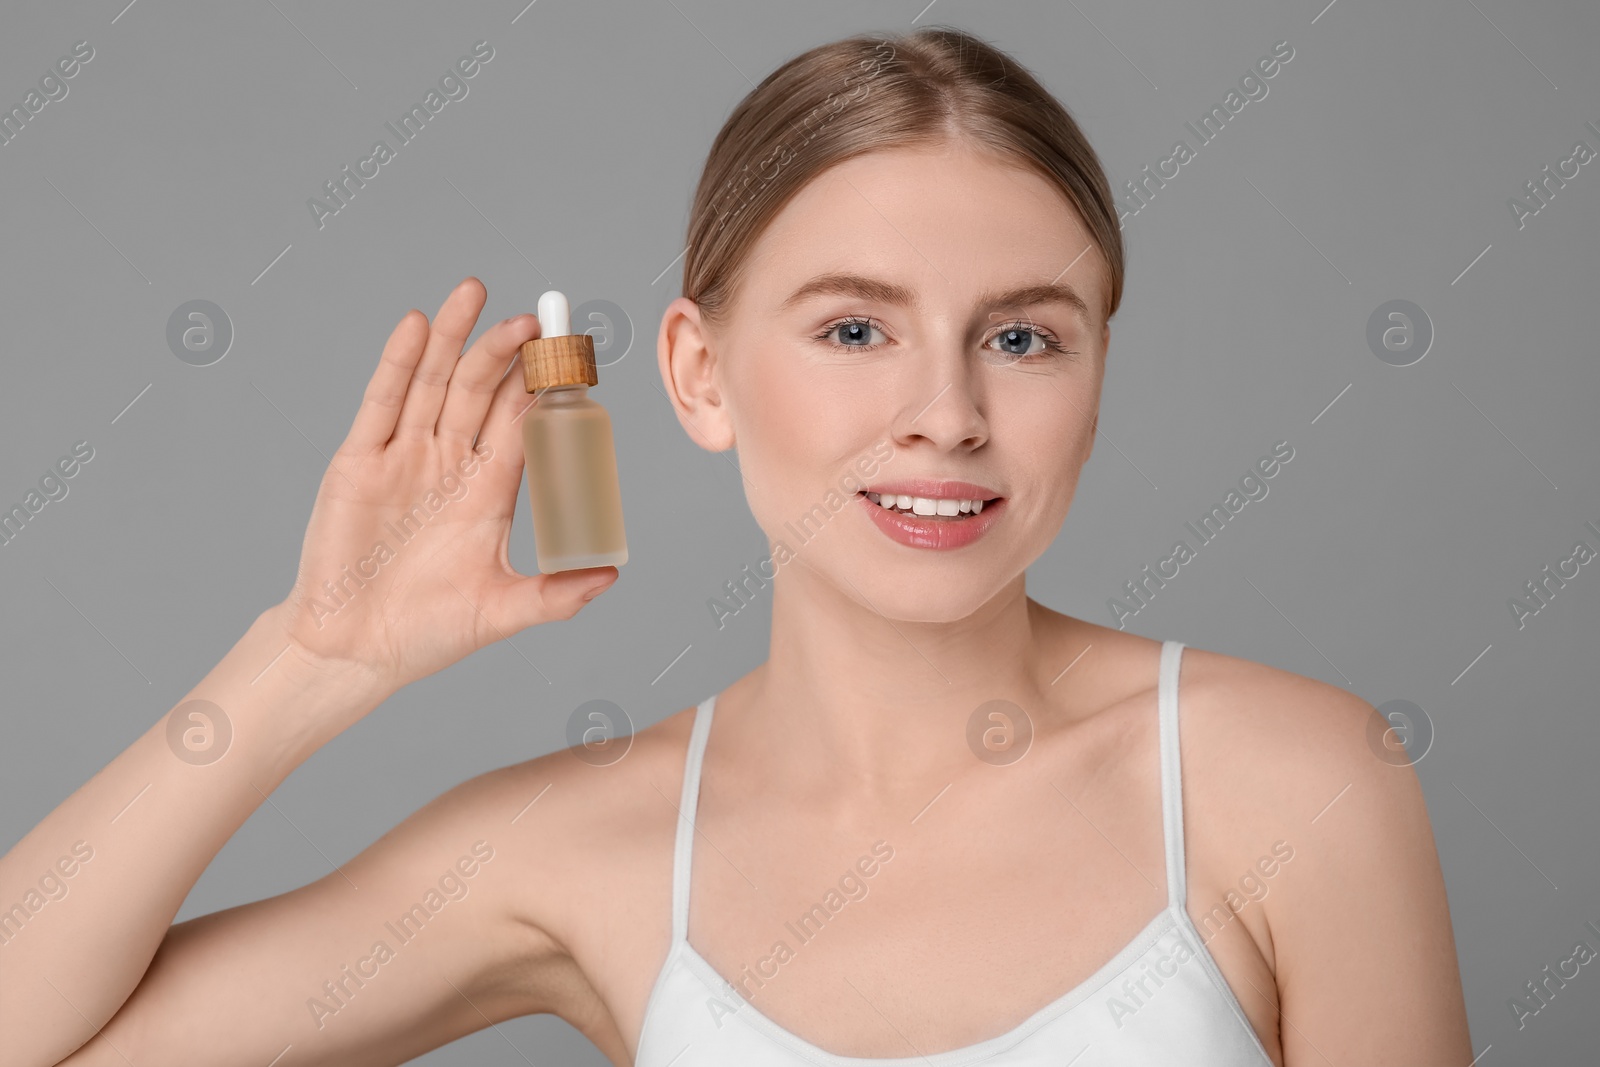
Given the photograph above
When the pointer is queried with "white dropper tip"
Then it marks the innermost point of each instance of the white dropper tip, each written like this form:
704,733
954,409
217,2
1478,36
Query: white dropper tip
555,314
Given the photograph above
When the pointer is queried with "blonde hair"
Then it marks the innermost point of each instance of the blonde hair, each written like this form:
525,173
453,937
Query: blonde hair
871,92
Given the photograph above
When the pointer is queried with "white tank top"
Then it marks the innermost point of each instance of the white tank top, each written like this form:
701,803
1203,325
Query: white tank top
1159,1000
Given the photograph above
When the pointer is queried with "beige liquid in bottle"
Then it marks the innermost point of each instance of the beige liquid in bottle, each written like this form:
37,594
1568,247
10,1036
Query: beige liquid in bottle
571,461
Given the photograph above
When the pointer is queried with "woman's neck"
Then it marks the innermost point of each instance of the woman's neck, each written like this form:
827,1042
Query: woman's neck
851,699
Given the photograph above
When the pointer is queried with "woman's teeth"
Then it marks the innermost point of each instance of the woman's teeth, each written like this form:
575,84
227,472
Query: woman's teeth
922,505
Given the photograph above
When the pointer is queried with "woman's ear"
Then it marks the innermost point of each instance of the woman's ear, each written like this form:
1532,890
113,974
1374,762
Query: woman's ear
688,371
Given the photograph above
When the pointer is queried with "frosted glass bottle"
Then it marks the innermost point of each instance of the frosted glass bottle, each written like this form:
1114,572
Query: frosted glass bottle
571,461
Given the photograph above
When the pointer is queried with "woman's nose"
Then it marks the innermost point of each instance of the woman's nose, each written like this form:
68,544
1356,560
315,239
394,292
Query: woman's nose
943,408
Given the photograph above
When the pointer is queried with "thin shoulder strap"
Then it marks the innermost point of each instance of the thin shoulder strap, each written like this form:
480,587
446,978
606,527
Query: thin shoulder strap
1171,771
683,845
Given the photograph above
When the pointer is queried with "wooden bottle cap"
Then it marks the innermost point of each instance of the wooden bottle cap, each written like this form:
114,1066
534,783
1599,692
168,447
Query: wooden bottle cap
566,359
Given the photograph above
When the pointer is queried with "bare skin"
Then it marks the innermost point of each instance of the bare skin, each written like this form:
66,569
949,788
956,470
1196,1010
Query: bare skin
1010,888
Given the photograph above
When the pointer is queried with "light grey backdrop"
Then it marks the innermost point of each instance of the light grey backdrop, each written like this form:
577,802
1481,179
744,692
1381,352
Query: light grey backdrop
1380,166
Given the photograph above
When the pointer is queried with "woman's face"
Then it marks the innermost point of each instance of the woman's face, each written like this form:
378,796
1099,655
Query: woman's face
909,365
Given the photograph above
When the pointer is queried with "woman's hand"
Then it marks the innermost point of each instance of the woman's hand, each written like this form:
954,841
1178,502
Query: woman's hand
404,569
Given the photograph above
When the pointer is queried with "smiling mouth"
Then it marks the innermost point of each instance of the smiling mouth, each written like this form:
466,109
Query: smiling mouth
935,509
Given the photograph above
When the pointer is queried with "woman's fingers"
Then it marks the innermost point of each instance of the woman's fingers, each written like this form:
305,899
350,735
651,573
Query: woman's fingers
424,385
529,599
451,327
479,373
502,427
386,391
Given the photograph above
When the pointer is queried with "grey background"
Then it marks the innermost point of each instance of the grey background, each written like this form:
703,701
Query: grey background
1378,167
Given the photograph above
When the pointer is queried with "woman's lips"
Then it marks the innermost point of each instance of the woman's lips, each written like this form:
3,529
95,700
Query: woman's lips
934,531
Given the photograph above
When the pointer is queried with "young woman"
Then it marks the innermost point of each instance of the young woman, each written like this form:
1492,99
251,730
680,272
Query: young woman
940,824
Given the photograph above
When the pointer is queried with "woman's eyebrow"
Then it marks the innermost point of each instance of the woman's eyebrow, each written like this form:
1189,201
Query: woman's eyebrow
1029,295
876,289
857,285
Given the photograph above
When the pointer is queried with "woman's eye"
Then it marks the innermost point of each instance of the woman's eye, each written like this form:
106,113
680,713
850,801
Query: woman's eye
1020,341
853,333
1014,343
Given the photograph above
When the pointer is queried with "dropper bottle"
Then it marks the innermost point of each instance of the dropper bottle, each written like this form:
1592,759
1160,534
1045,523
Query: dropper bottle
567,443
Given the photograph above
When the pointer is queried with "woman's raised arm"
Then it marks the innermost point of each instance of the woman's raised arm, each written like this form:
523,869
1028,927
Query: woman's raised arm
404,570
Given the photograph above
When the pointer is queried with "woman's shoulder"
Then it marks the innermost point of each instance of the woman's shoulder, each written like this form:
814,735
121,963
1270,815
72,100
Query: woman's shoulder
581,840
1280,730
1275,762
1268,754
589,794
1299,796
1234,712
587,823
